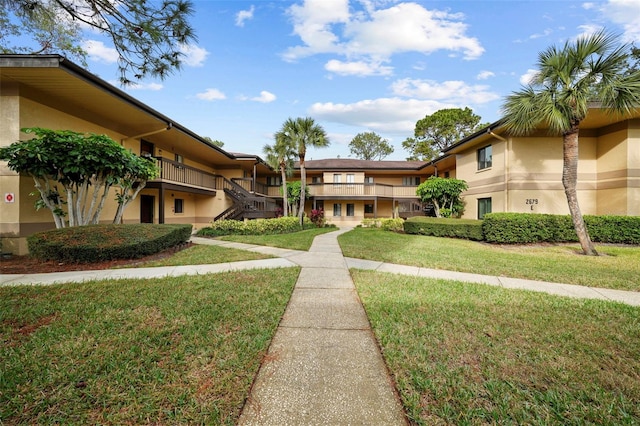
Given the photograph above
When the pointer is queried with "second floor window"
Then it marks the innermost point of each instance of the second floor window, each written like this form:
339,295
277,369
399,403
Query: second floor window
179,159
485,157
411,181
368,180
351,178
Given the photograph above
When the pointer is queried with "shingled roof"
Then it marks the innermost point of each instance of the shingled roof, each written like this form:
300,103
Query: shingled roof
355,164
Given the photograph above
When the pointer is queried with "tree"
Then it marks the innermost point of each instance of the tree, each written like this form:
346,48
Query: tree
438,131
85,166
444,194
280,156
370,146
301,133
591,68
148,36
293,194
215,142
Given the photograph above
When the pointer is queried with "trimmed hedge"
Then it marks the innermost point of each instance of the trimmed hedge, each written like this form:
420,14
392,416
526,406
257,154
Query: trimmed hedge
281,225
95,243
443,227
523,228
387,224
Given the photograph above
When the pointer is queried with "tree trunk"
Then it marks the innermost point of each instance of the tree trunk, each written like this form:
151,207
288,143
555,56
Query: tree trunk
285,199
569,181
303,183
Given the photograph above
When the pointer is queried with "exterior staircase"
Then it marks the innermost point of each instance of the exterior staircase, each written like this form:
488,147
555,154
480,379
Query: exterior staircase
246,205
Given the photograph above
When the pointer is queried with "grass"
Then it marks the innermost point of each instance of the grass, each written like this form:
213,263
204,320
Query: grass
203,255
294,241
165,351
617,268
474,354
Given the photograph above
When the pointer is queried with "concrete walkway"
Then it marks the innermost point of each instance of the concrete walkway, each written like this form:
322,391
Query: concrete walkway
323,365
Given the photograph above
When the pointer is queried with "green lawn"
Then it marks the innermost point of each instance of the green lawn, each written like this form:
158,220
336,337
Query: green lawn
164,351
294,241
203,255
475,354
617,268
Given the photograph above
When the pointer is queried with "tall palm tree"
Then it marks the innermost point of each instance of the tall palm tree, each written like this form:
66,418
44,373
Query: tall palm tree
280,156
590,69
302,133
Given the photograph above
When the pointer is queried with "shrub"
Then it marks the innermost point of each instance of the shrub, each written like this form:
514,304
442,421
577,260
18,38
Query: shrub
280,225
523,228
387,224
317,217
442,227
94,243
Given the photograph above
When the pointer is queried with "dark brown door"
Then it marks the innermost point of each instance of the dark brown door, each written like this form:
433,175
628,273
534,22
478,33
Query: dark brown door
146,149
146,208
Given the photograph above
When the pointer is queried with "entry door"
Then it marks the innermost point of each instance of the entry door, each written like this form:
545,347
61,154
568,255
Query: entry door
146,208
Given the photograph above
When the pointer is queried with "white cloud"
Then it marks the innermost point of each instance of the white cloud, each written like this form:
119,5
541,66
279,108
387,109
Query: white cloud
392,115
244,15
145,86
625,13
528,77
99,52
194,56
265,97
547,32
485,75
211,95
328,26
457,92
358,68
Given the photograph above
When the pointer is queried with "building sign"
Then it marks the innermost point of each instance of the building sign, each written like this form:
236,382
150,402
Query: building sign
531,202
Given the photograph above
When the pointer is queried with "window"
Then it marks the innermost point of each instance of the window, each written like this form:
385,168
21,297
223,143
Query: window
316,179
178,205
484,207
337,178
368,180
337,210
351,210
274,180
351,178
179,159
484,157
411,181
368,208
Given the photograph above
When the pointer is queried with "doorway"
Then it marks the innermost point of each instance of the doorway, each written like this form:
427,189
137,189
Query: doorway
147,203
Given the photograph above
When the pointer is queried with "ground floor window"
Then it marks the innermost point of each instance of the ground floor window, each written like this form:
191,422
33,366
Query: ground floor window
337,210
484,207
178,205
368,208
351,210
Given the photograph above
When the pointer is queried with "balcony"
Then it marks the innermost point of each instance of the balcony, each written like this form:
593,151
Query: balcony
361,190
178,173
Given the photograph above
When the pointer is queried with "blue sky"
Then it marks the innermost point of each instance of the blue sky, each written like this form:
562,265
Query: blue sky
357,65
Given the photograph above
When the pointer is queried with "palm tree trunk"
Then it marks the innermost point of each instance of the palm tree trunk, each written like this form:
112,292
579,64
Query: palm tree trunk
285,199
303,183
569,181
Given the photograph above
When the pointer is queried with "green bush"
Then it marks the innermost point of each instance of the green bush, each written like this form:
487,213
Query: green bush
442,227
95,243
280,225
387,224
523,228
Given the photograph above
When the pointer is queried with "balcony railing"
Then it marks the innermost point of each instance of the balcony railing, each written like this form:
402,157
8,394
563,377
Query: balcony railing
172,171
362,190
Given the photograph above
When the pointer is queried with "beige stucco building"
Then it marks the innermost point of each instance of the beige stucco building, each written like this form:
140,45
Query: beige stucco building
524,174
201,182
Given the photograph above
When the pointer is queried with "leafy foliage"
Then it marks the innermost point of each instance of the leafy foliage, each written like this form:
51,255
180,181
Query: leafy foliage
148,36
468,229
591,68
106,242
280,156
280,225
444,193
85,166
317,217
524,228
437,131
370,146
300,133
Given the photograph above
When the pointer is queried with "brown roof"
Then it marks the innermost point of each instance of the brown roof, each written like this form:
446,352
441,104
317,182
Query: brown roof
355,164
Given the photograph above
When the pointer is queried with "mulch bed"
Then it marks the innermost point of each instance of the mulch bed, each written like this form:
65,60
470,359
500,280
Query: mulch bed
30,265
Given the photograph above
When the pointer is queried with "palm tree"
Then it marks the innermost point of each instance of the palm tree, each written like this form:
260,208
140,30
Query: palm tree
568,80
280,156
301,133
